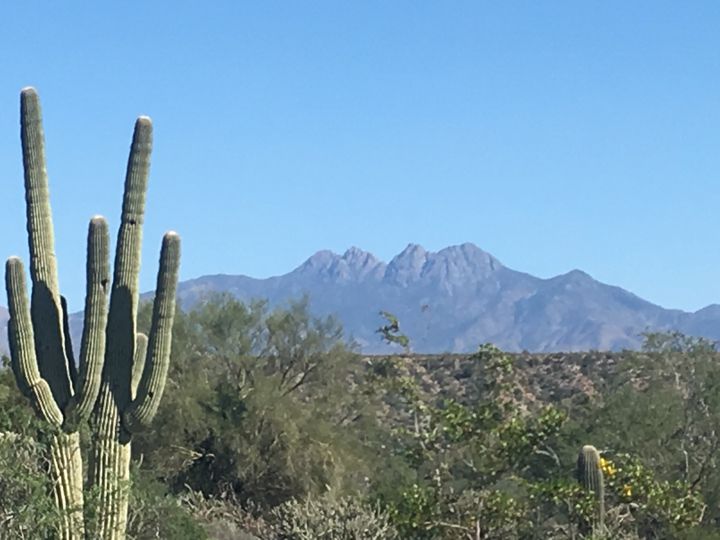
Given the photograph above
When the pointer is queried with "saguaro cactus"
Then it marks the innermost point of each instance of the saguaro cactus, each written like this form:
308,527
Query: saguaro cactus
121,374
590,476
41,352
135,369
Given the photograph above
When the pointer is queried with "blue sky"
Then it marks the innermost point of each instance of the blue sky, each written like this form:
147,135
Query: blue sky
555,135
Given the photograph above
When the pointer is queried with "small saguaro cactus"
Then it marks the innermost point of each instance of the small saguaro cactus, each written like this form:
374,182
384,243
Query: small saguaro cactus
590,476
121,374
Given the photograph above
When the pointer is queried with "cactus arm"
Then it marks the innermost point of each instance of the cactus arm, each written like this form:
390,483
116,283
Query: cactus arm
45,308
92,348
149,392
22,346
127,256
72,368
124,297
141,346
20,331
43,266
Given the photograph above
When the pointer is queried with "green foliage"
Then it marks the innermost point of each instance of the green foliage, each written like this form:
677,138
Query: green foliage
27,509
155,513
268,410
470,462
390,331
657,506
660,413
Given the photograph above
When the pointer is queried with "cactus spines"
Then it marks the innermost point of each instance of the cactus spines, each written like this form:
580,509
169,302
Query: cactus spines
590,476
121,373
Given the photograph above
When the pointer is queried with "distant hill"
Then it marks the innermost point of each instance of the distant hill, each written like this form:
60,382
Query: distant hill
455,299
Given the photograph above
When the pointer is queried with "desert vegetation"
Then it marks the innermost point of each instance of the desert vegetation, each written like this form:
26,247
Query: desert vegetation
272,425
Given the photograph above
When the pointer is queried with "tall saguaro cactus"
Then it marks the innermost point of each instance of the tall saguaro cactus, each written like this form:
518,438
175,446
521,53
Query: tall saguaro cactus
121,373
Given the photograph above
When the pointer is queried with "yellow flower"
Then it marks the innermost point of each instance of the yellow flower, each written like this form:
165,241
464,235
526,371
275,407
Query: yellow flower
627,490
607,467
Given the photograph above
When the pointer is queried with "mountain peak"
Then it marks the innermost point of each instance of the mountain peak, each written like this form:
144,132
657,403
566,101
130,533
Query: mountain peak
319,260
576,275
354,264
471,255
412,247
356,256
450,266
457,265
412,252
406,266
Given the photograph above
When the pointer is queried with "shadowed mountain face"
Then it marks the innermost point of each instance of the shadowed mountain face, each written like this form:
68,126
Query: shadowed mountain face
455,299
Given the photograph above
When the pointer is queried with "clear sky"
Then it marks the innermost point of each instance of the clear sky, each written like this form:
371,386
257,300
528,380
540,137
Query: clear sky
555,135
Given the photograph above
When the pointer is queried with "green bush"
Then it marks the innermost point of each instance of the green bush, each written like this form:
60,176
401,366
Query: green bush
224,519
27,509
259,404
154,513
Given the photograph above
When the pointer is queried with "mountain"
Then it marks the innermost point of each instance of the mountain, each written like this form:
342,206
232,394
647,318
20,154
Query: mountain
459,297
455,299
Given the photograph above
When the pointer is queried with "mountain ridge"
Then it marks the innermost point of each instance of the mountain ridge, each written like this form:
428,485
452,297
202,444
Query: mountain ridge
460,296
454,299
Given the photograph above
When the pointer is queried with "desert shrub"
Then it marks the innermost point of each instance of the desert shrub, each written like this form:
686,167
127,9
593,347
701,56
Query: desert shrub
327,518
469,464
223,518
26,508
155,513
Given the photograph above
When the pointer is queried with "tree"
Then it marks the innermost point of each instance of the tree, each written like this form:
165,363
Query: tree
272,408
390,332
